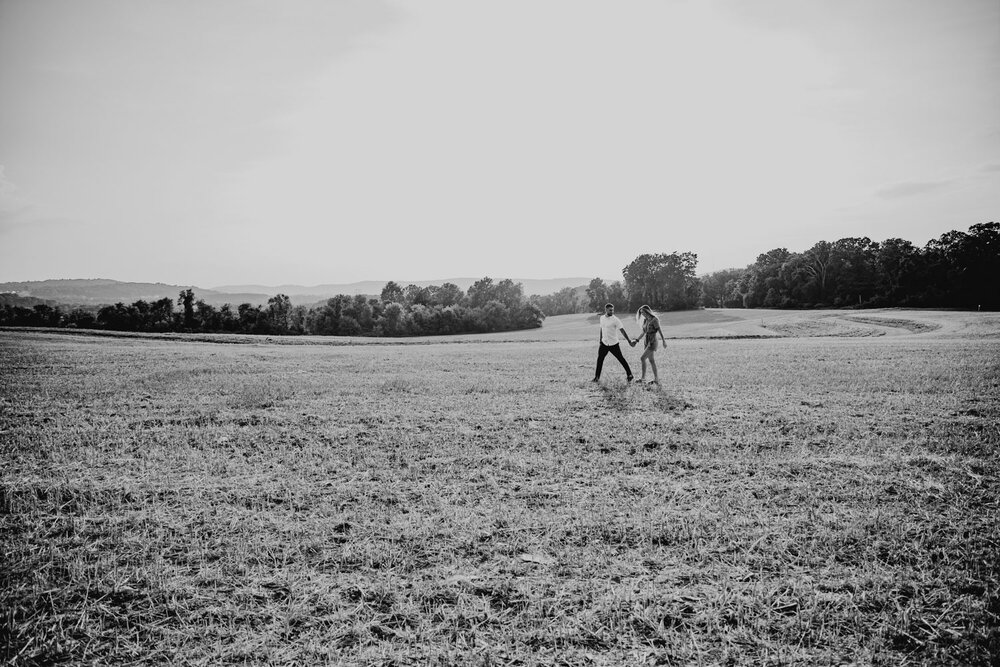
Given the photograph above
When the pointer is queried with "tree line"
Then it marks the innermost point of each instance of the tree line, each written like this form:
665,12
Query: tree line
488,306
956,270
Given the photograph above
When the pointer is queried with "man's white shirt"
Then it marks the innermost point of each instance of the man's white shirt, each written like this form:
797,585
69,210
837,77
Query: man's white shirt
609,329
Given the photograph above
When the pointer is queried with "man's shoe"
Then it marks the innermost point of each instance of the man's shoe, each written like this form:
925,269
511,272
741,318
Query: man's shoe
596,380
629,378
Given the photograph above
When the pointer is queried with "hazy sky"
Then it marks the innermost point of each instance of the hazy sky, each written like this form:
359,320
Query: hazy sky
318,141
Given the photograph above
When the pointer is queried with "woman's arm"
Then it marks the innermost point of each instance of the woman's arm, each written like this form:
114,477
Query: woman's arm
627,337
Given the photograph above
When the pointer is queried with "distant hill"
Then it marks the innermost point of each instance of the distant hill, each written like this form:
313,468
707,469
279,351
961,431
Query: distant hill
102,291
11,299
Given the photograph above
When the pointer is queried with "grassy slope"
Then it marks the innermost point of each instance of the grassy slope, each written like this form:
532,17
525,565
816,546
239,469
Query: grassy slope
736,323
797,500
708,323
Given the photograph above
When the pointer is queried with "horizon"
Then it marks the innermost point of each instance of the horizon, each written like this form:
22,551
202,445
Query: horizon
402,283
158,142
468,278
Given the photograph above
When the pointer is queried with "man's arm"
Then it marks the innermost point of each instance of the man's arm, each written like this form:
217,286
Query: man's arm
627,337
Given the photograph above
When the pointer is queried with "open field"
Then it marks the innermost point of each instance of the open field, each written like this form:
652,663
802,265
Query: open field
804,488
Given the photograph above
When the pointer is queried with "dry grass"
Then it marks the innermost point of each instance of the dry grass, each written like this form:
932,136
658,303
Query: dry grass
793,501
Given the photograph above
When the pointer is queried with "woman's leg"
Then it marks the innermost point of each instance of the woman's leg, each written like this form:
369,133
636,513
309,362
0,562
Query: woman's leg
652,364
646,354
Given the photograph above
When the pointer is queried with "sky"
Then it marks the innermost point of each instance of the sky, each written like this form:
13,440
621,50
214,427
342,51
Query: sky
332,141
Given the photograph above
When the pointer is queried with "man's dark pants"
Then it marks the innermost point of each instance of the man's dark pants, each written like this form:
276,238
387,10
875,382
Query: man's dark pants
616,350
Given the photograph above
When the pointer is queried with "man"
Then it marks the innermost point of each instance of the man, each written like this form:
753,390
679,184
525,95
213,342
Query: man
610,326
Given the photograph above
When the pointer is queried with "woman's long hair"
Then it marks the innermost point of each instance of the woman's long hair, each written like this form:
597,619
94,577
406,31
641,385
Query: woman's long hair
644,308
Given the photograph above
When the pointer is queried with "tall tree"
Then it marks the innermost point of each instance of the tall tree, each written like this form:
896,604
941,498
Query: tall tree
414,294
207,316
662,281
448,294
161,314
718,289
617,295
279,309
228,319
819,260
509,293
597,295
393,322
982,280
252,319
362,311
392,293
854,262
563,302
482,292
186,300
895,263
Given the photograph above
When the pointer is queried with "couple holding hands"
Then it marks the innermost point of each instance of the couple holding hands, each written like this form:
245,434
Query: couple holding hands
611,325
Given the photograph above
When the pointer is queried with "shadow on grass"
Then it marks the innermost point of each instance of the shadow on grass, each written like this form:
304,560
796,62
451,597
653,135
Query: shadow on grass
622,396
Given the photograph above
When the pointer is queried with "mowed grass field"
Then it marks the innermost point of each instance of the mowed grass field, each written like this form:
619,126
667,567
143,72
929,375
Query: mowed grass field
802,488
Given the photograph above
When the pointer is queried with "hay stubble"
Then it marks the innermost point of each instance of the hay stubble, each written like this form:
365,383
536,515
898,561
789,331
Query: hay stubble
791,501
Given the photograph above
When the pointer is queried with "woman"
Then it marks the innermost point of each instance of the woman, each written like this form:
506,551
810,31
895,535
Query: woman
650,324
